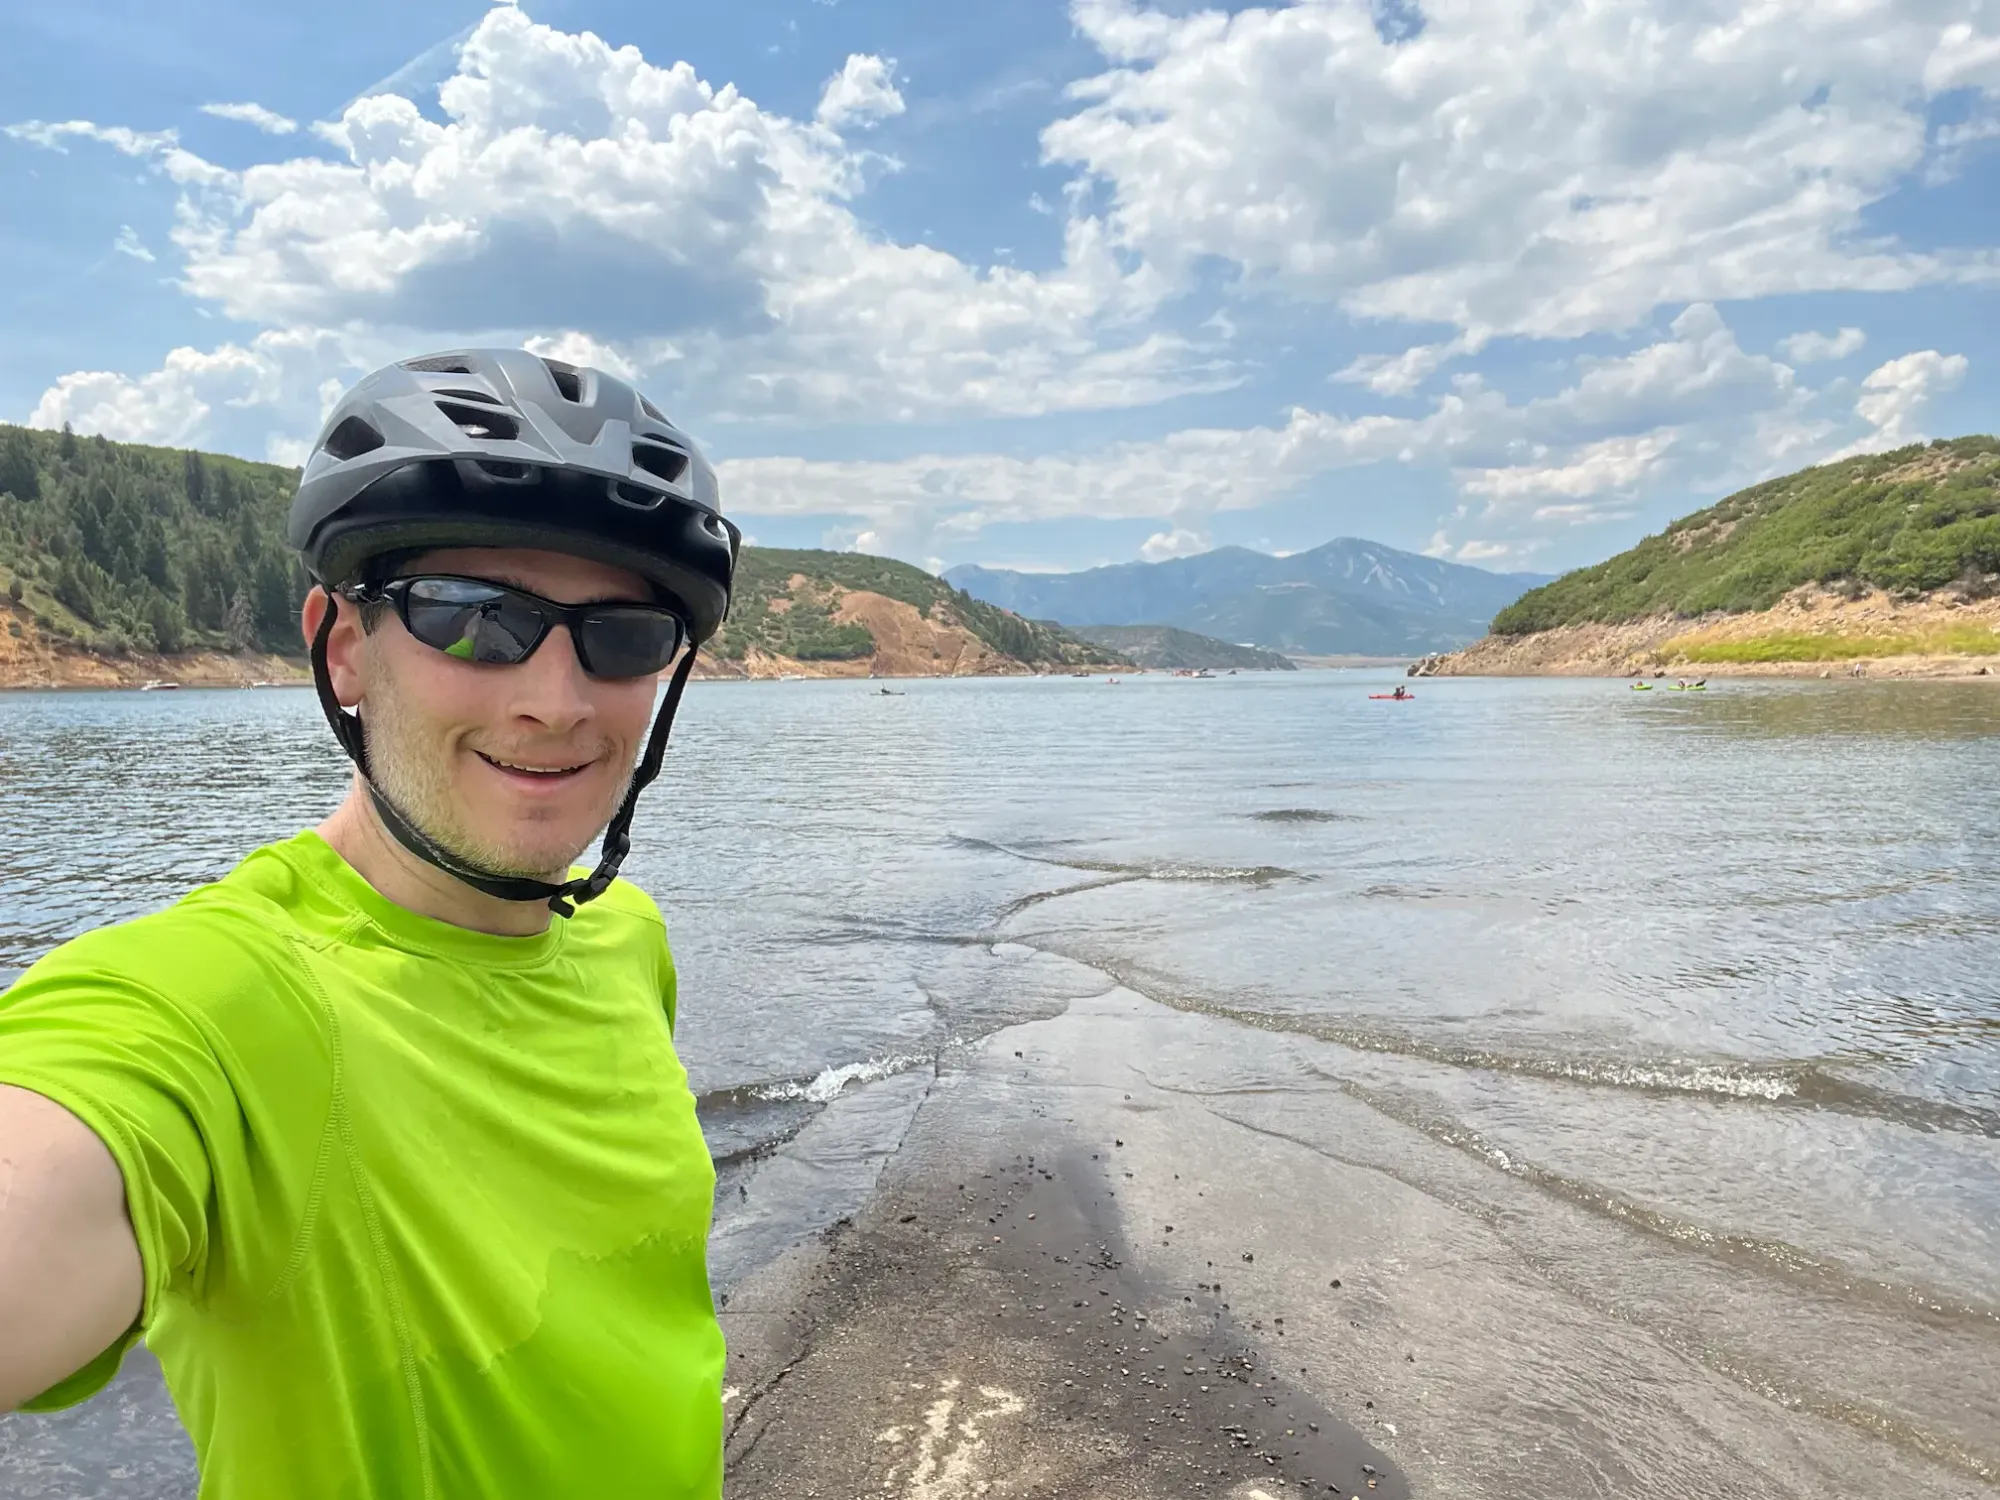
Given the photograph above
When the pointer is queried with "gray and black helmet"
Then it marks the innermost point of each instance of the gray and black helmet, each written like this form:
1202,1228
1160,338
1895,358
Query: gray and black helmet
503,448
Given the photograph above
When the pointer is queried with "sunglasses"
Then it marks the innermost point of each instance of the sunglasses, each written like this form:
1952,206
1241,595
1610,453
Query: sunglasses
494,625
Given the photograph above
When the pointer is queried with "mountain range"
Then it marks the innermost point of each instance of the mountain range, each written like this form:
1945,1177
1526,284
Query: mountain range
1348,597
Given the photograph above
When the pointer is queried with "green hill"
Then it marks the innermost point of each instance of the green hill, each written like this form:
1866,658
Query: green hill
1917,519
1165,648
116,547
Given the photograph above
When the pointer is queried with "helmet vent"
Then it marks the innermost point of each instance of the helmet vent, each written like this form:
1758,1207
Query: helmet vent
661,462
472,396
439,364
481,422
637,496
512,473
352,438
567,378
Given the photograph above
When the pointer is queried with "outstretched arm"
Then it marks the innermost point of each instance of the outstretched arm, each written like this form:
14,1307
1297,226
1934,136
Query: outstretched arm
71,1282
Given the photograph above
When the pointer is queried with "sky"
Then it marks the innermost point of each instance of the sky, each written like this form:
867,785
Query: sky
1042,284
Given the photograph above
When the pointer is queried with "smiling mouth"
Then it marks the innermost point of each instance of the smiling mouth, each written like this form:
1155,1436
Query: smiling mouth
544,773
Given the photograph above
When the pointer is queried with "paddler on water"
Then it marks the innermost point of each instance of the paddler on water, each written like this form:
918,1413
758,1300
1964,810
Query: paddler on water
380,1141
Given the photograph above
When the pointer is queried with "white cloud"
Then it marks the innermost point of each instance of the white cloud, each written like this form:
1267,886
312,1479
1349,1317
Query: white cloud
267,120
1811,348
129,243
162,147
1964,58
573,187
1521,166
53,136
576,348
863,92
181,402
1895,393
1613,464
167,406
1691,408
1399,374
1178,542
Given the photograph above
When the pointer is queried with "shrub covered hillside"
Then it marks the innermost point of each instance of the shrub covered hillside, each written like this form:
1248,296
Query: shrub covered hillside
1921,518
114,546
787,600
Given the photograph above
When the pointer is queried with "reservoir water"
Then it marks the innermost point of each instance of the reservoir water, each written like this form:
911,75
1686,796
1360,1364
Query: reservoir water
1717,973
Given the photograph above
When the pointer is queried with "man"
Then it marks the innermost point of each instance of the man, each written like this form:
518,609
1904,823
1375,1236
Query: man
381,1140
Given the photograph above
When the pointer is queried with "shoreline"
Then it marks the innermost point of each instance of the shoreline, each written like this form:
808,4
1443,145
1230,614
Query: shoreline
1872,635
1138,1253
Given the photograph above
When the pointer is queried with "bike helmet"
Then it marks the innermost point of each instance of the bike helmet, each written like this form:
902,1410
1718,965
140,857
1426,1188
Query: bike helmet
503,448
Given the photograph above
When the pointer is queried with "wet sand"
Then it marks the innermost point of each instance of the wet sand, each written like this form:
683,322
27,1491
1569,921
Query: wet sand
1011,1315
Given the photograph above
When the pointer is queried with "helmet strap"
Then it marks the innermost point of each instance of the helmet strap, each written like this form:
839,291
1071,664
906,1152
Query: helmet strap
563,899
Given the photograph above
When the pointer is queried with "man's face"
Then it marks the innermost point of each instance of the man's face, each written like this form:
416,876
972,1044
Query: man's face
515,769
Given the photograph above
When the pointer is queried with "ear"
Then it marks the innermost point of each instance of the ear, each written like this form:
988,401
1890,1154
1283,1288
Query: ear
344,647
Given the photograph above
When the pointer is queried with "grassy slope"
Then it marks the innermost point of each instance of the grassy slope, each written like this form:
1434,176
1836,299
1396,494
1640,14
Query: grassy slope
803,628
1917,519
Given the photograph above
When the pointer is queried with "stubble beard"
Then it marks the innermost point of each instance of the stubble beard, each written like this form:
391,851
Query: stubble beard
414,773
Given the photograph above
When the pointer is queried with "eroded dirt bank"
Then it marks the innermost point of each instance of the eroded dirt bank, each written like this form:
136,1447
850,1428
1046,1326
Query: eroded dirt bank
1664,642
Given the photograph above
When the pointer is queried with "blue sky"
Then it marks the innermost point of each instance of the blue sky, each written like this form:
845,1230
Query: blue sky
1045,284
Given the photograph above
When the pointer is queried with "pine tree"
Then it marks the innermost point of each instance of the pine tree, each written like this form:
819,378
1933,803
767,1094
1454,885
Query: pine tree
237,624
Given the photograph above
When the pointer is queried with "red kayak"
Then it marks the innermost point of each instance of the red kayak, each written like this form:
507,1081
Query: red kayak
1393,697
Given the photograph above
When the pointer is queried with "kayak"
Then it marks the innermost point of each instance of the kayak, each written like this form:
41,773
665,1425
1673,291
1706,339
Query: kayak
1692,687
1392,698
1642,687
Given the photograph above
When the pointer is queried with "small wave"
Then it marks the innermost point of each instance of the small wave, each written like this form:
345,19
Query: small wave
1799,1083
825,1087
1171,870
1303,815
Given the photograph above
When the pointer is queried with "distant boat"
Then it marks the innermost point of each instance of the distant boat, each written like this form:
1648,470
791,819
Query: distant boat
157,686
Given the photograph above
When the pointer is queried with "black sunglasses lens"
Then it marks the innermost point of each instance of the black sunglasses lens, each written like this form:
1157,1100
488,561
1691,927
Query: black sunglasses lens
473,621
627,642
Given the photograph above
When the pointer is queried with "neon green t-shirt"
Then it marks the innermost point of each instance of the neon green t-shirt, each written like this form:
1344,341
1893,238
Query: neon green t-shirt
424,1211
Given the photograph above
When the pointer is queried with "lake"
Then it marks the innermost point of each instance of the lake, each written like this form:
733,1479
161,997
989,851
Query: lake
1715,969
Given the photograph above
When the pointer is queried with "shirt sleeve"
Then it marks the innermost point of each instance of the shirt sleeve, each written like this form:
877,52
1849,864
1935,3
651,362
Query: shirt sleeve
136,1070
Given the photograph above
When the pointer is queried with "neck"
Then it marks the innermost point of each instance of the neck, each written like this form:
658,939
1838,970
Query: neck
357,836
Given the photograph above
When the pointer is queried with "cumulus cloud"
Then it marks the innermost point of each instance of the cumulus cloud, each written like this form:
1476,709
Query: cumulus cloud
569,185
1621,155
274,374
1895,393
1811,348
129,243
863,92
267,120
1179,542
1625,159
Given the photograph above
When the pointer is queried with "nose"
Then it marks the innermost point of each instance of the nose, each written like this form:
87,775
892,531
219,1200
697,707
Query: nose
551,688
